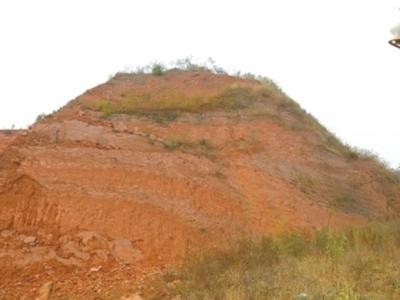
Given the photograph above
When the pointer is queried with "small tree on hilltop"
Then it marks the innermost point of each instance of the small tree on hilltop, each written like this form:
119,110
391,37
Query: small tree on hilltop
157,69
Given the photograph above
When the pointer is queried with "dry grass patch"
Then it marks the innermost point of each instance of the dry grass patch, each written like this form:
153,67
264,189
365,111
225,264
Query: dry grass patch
171,104
357,263
202,147
306,183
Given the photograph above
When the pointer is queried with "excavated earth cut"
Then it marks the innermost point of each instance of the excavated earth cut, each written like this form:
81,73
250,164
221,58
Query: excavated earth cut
92,203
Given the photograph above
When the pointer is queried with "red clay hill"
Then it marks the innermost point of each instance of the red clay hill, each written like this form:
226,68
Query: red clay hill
123,180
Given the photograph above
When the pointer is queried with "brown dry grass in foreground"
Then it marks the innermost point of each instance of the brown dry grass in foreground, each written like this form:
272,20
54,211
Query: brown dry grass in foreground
357,263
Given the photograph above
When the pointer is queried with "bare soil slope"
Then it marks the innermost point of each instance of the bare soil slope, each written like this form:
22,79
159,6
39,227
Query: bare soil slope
7,137
126,178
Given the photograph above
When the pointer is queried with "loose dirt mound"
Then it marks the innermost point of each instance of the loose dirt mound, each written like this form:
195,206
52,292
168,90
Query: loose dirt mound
130,175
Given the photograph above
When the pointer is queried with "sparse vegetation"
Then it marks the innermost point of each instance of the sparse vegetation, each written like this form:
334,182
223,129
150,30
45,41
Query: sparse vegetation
331,143
356,263
233,98
200,147
305,183
40,117
169,106
244,99
248,144
342,201
173,143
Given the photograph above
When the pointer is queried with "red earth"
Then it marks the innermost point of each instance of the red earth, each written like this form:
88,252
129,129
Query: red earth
98,205
8,136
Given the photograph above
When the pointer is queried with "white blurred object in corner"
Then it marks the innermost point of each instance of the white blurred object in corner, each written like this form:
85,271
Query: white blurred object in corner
395,41
396,31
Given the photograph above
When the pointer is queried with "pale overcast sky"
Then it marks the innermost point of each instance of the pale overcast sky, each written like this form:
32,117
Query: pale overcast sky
331,56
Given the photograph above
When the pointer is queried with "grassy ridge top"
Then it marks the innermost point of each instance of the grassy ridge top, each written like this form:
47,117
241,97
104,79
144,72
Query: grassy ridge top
234,97
194,90
163,95
215,90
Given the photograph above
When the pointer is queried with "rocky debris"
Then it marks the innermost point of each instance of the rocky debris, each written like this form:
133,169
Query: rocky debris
101,254
50,272
88,236
71,261
71,248
92,241
7,233
95,269
29,240
123,251
45,291
45,237
88,249
85,248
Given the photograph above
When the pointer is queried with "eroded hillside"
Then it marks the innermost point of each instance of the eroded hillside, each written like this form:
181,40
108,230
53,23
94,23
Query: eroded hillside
127,177
8,136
